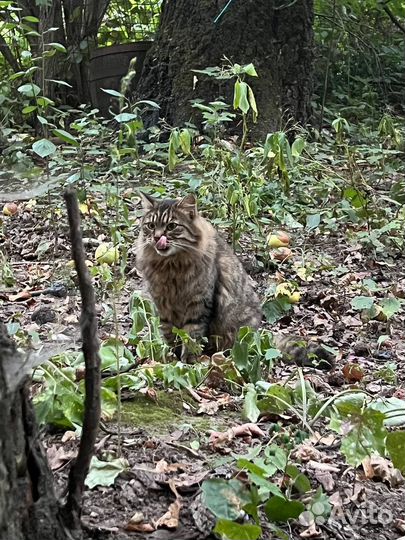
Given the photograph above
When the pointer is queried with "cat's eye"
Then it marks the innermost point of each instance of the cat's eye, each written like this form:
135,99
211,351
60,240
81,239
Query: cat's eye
172,226
150,225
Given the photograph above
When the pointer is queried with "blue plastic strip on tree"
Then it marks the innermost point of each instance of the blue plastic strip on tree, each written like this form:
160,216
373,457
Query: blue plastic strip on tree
223,11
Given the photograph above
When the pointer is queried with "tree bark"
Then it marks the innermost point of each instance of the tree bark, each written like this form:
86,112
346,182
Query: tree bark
276,36
28,506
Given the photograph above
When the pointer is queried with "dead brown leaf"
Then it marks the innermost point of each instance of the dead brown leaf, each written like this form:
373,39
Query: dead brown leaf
380,468
353,372
326,480
305,452
247,431
57,457
170,519
140,527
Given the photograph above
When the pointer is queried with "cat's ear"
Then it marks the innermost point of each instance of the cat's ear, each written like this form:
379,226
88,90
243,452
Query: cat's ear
188,204
148,202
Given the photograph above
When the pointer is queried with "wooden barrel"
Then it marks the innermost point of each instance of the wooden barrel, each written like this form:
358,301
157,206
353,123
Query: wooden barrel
108,65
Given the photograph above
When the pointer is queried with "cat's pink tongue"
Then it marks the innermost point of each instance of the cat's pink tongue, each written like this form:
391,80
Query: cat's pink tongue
162,243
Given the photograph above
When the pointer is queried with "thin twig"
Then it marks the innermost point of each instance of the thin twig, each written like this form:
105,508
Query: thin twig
91,345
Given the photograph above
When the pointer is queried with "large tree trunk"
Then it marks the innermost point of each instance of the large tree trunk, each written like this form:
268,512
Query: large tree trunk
28,507
275,35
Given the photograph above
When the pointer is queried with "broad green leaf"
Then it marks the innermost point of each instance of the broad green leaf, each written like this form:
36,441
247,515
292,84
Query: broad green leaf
225,498
185,141
300,481
66,137
395,443
276,401
125,117
229,530
30,18
29,109
243,97
362,429
29,90
44,148
281,509
362,302
390,306
276,308
297,147
112,92
313,221
250,70
250,409
393,409
104,473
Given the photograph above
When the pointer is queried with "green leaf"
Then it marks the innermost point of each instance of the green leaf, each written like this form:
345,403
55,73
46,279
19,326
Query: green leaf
300,481
185,141
229,530
250,409
66,137
395,444
313,221
42,120
236,95
393,409
250,70
362,302
29,109
243,103
390,306
281,509
112,92
152,104
61,83
276,308
362,429
252,102
276,401
104,473
30,18
225,498
29,90
44,148
125,117
297,147
57,46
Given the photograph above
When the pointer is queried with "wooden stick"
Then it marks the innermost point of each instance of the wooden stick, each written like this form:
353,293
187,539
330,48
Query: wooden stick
90,347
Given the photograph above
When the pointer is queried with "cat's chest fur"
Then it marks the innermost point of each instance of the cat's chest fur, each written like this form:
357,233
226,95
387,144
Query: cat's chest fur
175,284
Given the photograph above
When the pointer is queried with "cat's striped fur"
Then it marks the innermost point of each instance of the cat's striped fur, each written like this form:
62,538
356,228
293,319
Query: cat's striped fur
196,281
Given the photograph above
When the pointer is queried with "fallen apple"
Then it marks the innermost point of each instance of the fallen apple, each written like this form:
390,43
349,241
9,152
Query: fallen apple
283,236
294,298
281,254
107,253
10,209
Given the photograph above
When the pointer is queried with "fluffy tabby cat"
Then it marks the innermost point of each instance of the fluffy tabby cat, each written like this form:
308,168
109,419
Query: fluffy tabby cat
198,284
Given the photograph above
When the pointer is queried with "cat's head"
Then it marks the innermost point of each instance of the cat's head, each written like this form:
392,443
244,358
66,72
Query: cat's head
170,226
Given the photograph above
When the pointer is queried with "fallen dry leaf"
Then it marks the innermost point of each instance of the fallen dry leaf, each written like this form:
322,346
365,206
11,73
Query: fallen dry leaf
305,452
323,466
140,527
19,297
170,519
69,436
57,457
163,466
247,431
326,480
380,468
